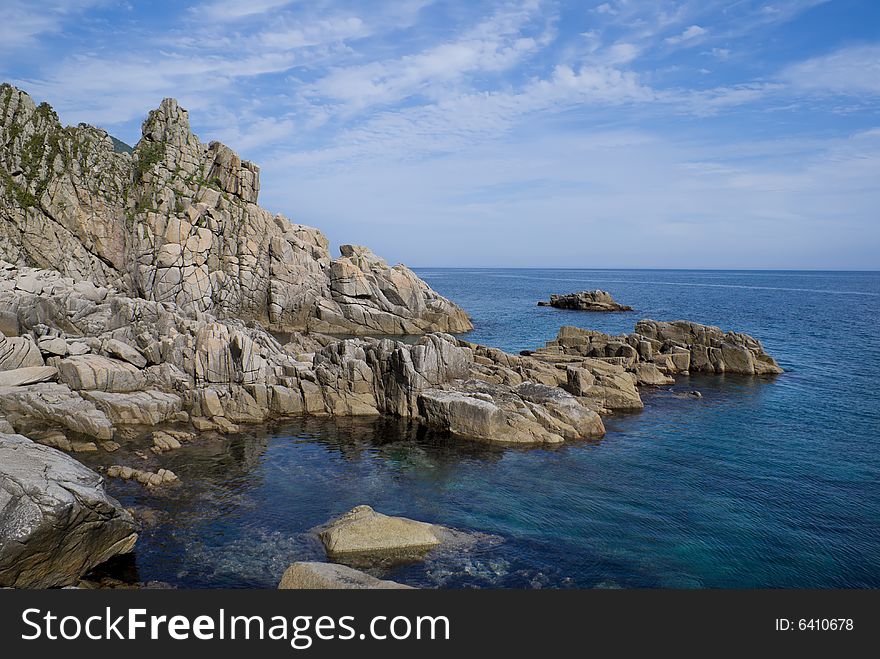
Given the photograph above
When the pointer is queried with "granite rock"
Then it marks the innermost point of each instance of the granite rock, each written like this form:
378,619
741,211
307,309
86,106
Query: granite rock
56,520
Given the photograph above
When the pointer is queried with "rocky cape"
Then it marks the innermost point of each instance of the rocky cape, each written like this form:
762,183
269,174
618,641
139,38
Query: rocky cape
149,295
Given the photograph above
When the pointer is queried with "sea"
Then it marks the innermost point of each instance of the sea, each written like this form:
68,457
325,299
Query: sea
760,483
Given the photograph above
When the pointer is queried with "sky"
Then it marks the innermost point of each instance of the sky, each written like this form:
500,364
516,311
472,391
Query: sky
520,133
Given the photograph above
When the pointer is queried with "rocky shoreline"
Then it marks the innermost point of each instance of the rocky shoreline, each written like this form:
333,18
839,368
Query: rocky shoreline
141,296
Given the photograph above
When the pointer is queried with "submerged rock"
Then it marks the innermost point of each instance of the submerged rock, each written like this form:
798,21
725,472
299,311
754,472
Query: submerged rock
145,478
56,520
586,301
331,576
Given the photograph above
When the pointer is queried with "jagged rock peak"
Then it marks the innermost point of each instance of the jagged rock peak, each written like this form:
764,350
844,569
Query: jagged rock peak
168,123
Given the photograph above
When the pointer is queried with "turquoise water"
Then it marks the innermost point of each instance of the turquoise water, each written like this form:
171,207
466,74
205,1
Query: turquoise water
760,483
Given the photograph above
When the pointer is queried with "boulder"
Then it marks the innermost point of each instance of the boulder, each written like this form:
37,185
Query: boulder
672,347
9,323
52,345
56,520
364,531
608,384
330,576
464,414
708,349
527,414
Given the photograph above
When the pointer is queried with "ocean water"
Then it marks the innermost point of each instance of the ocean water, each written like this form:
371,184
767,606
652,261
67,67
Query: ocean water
759,483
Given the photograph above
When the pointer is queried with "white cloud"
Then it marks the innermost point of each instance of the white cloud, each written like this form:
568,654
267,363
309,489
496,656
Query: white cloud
689,34
494,45
620,53
25,20
223,11
107,91
455,122
854,70
290,35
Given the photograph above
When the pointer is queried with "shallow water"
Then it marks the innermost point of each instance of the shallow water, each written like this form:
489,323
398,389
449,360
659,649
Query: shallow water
760,483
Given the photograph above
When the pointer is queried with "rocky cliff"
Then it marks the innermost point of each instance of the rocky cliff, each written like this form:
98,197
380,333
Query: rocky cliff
177,221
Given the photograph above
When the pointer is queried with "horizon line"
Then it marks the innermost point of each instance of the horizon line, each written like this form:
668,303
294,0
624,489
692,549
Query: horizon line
650,269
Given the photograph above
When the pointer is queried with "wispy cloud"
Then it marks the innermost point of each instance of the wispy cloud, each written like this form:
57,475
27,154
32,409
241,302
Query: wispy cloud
23,22
494,45
854,70
689,34
232,10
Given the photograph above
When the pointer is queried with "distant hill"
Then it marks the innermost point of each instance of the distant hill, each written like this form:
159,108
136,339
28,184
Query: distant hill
121,147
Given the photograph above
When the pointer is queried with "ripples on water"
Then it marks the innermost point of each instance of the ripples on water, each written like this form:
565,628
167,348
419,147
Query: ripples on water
760,483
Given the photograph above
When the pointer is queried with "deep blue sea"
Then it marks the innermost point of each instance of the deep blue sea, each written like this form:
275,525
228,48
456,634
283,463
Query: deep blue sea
760,483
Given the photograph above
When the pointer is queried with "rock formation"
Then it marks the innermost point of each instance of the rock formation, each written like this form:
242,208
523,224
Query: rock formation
56,521
177,221
128,361
585,301
657,348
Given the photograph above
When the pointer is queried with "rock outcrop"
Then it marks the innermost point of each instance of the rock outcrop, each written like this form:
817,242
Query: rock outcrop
178,221
56,521
656,349
308,575
586,301
710,349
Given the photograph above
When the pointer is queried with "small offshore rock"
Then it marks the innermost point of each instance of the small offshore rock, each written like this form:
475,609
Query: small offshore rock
586,301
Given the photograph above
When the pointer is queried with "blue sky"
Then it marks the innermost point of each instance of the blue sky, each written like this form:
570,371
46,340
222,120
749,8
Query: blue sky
523,133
